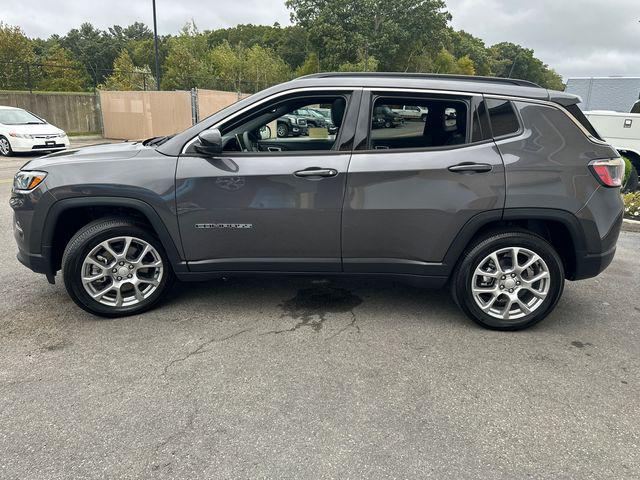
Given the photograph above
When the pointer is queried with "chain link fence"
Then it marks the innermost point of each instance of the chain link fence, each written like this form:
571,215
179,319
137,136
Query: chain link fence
48,76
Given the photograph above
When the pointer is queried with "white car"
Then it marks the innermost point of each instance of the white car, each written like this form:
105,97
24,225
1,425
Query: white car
22,131
412,112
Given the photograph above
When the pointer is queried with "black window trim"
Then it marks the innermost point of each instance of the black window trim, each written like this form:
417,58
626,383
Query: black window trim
487,136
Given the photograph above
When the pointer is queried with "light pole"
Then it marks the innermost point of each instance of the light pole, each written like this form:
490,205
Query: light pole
155,43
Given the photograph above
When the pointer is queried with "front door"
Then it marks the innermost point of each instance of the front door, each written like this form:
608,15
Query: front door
272,200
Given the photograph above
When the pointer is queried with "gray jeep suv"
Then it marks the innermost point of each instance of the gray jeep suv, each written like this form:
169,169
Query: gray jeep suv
501,192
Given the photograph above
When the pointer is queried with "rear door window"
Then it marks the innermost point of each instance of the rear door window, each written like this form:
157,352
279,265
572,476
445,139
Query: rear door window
443,123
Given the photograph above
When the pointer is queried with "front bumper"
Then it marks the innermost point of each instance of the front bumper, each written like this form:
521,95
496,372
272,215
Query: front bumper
38,144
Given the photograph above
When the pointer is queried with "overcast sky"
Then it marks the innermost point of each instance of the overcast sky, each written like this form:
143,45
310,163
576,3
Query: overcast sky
576,37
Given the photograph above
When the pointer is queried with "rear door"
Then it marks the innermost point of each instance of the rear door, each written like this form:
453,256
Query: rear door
268,202
411,189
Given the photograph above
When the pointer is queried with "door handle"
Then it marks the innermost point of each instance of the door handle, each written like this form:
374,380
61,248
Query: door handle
316,172
471,168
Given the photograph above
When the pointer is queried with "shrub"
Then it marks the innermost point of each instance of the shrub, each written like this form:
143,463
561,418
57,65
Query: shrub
627,169
632,205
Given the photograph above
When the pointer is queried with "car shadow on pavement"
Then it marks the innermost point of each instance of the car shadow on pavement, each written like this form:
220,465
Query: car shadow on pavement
311,301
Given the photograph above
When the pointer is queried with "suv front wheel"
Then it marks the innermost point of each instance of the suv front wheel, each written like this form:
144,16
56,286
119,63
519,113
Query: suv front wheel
113,267
509,281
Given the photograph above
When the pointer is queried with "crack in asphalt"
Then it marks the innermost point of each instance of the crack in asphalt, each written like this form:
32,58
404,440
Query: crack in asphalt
201,349
305,322
353,323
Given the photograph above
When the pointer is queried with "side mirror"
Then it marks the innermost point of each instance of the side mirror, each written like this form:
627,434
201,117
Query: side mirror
210,142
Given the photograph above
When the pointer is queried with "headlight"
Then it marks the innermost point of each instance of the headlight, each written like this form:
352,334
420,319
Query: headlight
20,135
25,181
62,134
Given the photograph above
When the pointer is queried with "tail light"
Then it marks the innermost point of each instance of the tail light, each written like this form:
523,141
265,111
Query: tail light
609,172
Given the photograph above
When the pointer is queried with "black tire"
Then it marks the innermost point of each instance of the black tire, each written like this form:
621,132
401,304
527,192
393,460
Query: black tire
5,149
463,276
89,237
282,130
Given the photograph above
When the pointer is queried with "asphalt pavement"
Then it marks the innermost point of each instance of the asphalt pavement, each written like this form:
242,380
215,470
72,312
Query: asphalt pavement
306,378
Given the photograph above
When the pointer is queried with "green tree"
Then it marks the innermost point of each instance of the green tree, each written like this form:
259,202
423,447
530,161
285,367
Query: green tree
16,58
263,68
246,69
310,65
92,47
368,64
127,76
444,62
61,73
463,44
185,66
514,61
465,66
392,32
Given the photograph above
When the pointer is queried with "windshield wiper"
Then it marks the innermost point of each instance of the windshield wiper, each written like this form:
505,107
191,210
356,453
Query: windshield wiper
154,141
157,141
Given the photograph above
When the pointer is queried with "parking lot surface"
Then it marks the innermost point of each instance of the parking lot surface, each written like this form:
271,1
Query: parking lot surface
306,378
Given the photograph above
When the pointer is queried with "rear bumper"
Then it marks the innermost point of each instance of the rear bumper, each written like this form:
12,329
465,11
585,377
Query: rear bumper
591,263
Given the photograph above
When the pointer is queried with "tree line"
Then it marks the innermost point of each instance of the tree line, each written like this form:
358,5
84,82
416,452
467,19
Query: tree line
325,35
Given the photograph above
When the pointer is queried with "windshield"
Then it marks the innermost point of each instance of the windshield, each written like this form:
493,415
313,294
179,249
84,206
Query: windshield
18,117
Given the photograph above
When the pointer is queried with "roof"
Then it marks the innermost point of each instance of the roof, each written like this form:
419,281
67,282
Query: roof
6,107
452,83
425,76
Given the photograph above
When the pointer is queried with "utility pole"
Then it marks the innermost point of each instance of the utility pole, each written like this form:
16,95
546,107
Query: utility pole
155,43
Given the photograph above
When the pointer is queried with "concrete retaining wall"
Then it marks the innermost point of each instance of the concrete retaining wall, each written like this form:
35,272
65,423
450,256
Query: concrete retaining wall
72,112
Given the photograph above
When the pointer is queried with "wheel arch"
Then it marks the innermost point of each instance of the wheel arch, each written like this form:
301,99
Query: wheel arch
559,227
77,210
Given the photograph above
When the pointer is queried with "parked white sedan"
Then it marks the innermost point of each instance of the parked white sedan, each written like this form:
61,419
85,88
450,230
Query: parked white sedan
22,131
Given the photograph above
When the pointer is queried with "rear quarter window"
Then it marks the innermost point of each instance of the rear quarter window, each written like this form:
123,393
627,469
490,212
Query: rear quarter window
503,117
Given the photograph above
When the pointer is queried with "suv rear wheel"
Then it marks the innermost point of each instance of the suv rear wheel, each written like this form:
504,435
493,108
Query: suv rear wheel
113,267
509,280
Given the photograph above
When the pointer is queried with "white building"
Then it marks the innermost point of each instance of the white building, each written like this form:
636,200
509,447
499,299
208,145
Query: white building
618,94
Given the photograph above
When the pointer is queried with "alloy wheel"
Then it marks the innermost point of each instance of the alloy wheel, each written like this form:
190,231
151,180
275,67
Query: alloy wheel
122,271
511,283
5,148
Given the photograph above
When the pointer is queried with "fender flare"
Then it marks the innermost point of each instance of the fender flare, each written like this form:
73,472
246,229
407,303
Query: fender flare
59,207
477,223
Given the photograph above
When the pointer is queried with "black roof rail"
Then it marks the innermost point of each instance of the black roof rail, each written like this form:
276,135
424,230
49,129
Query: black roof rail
425,76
